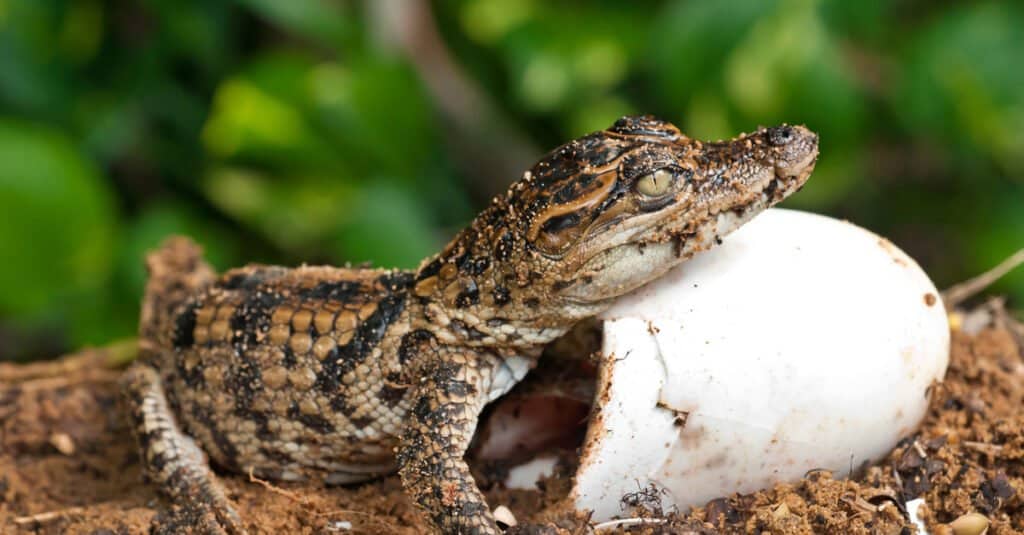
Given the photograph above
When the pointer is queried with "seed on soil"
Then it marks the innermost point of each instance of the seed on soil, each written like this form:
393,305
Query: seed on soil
63,443
504,516
970,524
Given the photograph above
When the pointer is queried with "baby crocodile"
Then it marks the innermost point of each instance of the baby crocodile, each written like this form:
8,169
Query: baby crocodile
346,374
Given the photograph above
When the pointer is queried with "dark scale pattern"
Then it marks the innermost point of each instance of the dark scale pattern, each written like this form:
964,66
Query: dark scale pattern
367,336
323,372
645,125
563,222
243,378
362,421
597,151
478,265
184,325
396,281
392,395
501,296
572,190
251,319
192,376
329,379
468,296
313,421
248,279
226,452
262,421
279,457
288,358
413,344
332,291
341,405
504,247
430,270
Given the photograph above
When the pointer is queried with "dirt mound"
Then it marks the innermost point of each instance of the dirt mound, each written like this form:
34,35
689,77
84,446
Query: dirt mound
68,465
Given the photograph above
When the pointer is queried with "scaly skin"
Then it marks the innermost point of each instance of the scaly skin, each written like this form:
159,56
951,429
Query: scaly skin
346,374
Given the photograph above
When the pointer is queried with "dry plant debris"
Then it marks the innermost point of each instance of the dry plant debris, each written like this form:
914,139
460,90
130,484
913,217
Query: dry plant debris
68,465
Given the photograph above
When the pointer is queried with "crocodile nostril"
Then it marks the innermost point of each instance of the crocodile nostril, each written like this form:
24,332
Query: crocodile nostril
780,135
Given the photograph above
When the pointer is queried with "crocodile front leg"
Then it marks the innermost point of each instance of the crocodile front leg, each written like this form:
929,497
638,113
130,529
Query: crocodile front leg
452,389
174,462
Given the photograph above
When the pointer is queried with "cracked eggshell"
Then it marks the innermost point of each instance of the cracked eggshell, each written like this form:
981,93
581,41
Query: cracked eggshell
801,343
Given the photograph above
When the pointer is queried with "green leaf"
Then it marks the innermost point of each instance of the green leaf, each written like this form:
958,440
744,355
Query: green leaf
377,112
295,213
388,228
598,114
690,41
256,121
160,221
963,81
58,223
32,75
327,22
487,21
987,243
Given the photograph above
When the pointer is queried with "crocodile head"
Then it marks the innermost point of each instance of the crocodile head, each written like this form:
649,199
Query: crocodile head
611,211
616,209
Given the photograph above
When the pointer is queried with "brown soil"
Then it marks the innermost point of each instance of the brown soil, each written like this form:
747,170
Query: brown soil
68,465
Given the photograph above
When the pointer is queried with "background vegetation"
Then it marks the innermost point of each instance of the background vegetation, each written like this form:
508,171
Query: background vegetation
343,131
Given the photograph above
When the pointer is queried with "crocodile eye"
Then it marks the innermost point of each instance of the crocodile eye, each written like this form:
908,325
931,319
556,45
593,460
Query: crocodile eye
655,184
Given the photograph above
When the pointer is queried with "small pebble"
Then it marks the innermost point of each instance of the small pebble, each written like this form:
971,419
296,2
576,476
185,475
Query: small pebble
62,442
970,524
339,525
503,515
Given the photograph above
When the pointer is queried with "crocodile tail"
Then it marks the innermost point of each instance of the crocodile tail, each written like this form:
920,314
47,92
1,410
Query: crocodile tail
177,271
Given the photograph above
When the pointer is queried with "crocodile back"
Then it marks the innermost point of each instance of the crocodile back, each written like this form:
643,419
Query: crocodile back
268,366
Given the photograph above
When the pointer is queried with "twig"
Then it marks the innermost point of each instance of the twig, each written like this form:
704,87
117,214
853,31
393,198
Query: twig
920,450
53,383
860,504
626,522
484,142
110,357
48,516
983,447
960,292
277,490
371,518
1003,319
344,511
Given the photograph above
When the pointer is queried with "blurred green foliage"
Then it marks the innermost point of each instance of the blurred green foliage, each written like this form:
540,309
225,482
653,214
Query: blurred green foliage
315,130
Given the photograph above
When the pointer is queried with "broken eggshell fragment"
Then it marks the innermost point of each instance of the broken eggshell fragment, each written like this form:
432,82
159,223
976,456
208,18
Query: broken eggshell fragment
801,343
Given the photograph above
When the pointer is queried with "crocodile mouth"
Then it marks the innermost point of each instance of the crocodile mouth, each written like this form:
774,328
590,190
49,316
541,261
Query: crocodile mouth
801,168
798,171
731,211
800,158
788,180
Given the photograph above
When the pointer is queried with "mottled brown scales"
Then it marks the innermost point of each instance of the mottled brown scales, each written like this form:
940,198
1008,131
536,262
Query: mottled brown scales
345,374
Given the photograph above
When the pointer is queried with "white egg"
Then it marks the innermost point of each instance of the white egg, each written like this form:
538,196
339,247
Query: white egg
801,343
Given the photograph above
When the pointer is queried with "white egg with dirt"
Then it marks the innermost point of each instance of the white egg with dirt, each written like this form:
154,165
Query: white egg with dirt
800,343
